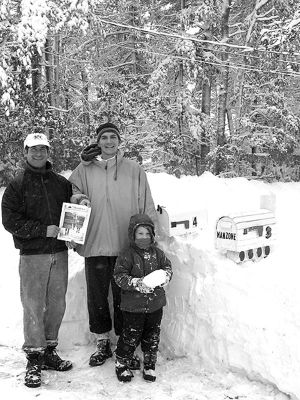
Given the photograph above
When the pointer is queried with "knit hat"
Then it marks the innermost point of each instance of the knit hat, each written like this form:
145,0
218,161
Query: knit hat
107,127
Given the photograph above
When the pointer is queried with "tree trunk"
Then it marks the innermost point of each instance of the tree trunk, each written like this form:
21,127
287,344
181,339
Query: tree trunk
36,79
230,121
180,85
49,70
56,58
85,100
133,10
223,90
252,18
205,108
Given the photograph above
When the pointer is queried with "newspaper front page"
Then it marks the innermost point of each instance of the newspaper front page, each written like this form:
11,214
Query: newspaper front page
73,223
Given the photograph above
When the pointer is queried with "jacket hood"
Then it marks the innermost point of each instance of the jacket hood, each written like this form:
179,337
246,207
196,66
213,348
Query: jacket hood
94,157
111,162
137,220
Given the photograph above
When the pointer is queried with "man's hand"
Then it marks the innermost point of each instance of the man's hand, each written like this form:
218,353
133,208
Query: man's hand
85,202
71,245
52,231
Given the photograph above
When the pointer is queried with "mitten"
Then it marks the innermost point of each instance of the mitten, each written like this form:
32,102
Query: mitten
140,286
90,152
80,199
168,277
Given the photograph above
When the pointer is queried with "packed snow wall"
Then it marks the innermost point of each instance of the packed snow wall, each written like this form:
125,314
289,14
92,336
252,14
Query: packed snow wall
243,317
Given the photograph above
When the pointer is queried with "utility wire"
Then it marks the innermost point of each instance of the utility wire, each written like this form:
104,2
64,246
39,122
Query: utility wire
230,65
178,36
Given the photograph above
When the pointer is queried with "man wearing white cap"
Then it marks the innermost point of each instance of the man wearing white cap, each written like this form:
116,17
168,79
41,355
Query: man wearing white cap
31,207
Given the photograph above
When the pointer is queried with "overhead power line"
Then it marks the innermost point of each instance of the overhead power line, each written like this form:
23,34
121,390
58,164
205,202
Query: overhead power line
236,66
190,38
175,35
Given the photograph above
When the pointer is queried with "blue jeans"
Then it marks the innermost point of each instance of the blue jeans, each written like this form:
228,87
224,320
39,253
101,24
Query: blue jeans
44,280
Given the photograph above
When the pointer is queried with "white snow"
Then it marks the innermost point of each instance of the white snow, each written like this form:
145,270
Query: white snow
229,331
155,278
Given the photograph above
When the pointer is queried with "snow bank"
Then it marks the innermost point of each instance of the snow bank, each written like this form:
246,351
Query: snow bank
241,317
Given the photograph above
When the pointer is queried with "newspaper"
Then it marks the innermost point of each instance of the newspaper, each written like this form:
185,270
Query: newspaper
73,223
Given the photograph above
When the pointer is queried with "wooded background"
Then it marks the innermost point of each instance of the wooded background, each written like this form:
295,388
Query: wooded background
194,85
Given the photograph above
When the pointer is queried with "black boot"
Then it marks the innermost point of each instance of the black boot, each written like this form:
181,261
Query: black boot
123,372
33,369
134,363
149,366
53,361
102,353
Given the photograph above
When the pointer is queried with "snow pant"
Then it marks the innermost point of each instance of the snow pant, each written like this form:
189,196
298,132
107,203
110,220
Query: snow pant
139,328
99,276
43,281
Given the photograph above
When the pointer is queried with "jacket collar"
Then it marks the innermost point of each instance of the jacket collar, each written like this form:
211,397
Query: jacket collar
111,162
42,171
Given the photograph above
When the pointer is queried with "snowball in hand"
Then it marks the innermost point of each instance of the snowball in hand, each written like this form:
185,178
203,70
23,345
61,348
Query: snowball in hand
155,278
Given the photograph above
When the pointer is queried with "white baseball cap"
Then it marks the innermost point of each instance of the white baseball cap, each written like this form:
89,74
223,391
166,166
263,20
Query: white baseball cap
36,139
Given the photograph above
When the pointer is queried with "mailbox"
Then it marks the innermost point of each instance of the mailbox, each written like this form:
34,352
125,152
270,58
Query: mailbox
247,235
178,224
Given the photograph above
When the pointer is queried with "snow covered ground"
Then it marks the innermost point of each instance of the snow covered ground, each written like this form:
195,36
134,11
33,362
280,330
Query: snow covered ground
230,331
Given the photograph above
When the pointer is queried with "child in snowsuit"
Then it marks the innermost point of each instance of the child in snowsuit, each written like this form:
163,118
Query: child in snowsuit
141,271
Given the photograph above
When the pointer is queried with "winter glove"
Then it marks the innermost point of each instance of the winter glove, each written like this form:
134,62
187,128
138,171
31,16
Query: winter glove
85,202
140,286
90,152
71,245
80,199
168,277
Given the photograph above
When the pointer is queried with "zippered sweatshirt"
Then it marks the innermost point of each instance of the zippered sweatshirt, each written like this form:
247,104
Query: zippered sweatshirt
117,189
31,202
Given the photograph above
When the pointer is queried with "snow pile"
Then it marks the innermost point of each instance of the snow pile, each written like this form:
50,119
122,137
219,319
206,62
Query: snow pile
243,318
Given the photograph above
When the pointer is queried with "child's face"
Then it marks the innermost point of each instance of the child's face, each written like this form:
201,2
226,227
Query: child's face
142,233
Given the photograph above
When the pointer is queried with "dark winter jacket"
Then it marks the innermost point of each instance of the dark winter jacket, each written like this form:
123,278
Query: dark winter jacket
31,202
134,262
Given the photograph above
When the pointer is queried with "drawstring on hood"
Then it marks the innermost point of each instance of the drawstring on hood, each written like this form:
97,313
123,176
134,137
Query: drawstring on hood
116,170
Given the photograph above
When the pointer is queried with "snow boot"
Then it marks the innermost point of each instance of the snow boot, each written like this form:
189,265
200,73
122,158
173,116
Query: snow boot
33,369
149,367
134,363
102,353
123,372
53,361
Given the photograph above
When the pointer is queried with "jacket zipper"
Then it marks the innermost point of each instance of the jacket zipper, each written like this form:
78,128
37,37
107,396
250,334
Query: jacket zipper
49,209
108,203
